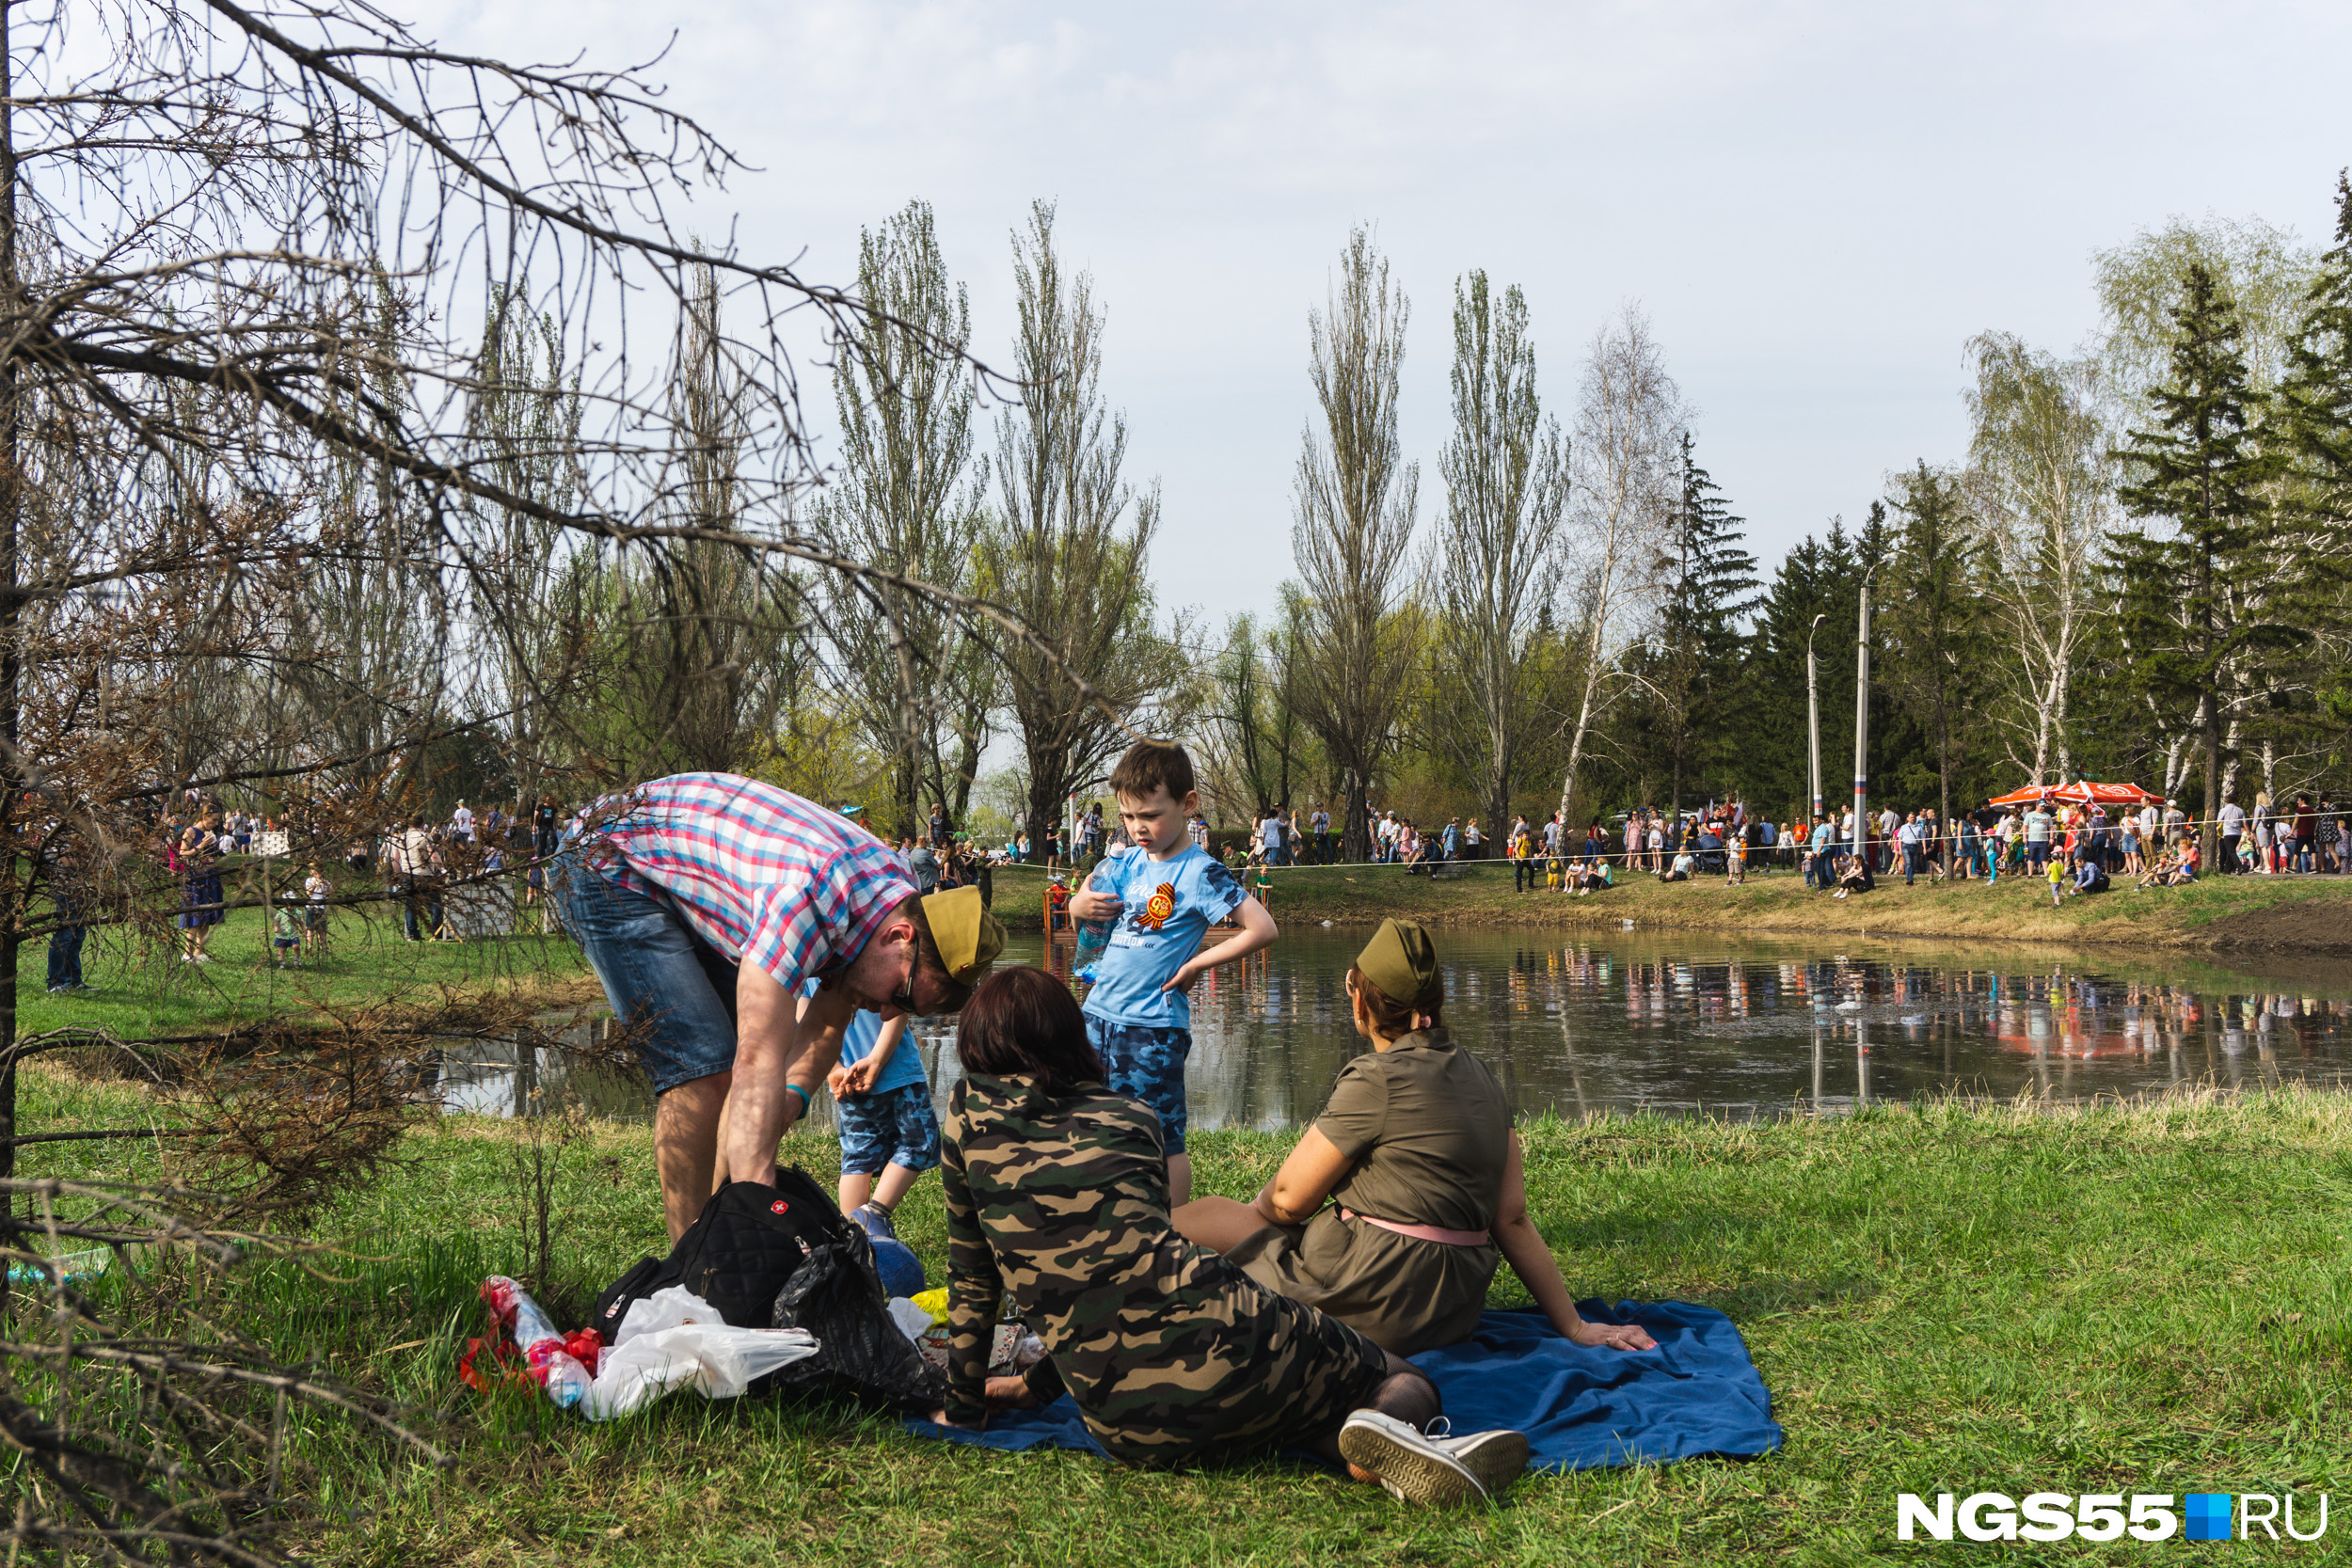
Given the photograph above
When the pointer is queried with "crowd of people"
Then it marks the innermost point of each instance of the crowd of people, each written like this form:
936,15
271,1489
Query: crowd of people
2079,847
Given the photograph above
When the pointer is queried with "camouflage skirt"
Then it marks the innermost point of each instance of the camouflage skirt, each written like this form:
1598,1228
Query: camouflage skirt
1247,1370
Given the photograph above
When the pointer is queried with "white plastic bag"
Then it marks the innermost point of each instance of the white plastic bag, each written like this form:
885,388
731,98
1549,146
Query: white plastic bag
673,1338
912,1320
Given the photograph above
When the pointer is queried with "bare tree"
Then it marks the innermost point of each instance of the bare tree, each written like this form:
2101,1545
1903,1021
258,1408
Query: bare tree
1627,490
1352,531
1067,552
1495,560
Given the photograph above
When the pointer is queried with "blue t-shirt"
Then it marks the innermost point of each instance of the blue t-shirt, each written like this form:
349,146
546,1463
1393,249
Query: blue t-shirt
1168,905
863,1033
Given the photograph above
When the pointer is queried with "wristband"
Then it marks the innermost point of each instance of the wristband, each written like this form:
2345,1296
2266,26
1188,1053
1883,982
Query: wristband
803,1094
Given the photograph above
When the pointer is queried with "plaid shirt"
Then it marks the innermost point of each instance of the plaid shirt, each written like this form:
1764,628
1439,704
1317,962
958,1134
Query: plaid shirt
759,873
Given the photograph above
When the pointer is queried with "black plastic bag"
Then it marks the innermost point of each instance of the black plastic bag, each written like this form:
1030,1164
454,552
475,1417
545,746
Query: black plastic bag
836,1296
740,1252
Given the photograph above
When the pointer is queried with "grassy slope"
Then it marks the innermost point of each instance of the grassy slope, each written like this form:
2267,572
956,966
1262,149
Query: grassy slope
2105,1300
138,994
2015,908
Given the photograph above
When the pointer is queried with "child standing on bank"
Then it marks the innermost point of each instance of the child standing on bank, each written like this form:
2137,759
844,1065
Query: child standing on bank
1163,897
882,1100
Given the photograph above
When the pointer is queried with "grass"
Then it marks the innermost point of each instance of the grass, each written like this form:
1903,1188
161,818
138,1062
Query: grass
137,993
2207,913
1942,1298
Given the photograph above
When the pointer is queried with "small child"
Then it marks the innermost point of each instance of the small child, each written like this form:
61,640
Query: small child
286,933
316,889
882,1100
1163,895
2057,880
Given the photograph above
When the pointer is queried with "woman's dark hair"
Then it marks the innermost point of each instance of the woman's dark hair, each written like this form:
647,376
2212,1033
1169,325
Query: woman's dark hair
1024,1021
1391,1018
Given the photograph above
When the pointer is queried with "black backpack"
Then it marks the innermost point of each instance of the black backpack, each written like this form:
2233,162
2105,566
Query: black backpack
738,1253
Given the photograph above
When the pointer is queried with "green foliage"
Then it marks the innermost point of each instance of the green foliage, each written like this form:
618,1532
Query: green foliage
2202,604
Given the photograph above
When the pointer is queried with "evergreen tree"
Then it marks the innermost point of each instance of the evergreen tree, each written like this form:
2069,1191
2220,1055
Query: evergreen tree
1711,587
2314,427
2316,397
1936,635
2195,622
1815,578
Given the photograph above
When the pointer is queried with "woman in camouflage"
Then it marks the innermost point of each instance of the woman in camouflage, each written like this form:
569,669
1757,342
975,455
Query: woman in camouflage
1057,1194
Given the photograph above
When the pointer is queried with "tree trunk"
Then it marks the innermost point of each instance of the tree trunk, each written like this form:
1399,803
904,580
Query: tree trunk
11,616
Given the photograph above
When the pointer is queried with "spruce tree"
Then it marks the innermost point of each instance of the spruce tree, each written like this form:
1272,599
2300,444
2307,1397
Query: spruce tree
2191,608
2316,397
1711,581
1937,639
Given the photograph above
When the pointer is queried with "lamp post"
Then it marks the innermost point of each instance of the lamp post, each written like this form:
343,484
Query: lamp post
1813,712
1862,725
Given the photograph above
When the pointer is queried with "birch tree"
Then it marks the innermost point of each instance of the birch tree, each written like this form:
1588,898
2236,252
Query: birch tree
1352,530
1494,558
1625,489
2041,482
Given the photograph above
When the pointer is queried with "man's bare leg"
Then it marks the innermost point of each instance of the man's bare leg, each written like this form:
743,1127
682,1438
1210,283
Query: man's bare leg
1179,1180
686,1146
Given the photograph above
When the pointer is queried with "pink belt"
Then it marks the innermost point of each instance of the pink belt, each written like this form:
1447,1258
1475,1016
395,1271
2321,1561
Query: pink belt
1423,1232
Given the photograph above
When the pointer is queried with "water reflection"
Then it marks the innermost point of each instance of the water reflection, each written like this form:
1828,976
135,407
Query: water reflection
1581,1026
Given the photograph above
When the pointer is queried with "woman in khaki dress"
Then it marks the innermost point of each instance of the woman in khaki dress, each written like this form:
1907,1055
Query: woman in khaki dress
1416,1150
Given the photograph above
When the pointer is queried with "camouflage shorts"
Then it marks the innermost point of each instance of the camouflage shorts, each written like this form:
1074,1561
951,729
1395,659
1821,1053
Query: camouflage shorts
1146,1063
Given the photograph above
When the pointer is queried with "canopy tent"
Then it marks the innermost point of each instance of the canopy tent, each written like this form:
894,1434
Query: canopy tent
2080,793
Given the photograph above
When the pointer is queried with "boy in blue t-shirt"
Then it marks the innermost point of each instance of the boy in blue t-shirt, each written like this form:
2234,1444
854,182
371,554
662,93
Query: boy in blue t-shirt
1163,895
889,1130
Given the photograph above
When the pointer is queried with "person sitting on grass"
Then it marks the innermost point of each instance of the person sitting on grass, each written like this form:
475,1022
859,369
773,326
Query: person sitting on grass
1423,1177
1854,876
1593,877
1057,1193
1685,865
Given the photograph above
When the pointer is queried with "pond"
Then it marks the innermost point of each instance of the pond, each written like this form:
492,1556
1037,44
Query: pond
1579,1023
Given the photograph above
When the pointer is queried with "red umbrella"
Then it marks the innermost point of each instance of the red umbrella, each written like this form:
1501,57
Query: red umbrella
2082,792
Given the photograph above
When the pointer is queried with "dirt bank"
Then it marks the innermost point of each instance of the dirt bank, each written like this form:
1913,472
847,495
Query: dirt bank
2244,916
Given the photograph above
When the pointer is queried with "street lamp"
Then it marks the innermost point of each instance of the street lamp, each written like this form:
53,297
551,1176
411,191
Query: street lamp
1862,724
1813,712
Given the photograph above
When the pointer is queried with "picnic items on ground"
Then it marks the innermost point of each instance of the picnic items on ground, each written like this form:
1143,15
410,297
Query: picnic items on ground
769,1289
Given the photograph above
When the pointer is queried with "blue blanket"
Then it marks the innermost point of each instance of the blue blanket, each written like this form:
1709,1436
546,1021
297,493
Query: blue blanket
1697,1393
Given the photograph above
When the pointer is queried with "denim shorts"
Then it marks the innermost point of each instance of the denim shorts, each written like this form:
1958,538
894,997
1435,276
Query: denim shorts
894,1126
672,988
1146,1063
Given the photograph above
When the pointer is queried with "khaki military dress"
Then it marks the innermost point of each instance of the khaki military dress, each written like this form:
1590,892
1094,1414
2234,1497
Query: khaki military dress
1429,1130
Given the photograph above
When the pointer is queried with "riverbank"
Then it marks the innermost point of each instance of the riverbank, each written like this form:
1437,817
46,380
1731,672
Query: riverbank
1943,1298
2231,914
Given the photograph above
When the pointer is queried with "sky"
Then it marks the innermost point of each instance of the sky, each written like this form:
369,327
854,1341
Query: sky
1815,204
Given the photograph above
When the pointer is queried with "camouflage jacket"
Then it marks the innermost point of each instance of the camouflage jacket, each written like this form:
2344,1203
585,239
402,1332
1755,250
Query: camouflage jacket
1061,1203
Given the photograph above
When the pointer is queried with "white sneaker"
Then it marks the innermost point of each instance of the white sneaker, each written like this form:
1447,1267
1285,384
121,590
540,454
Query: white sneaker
1432,1471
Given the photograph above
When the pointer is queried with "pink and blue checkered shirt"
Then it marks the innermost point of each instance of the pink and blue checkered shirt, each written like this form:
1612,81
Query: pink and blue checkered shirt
760,873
